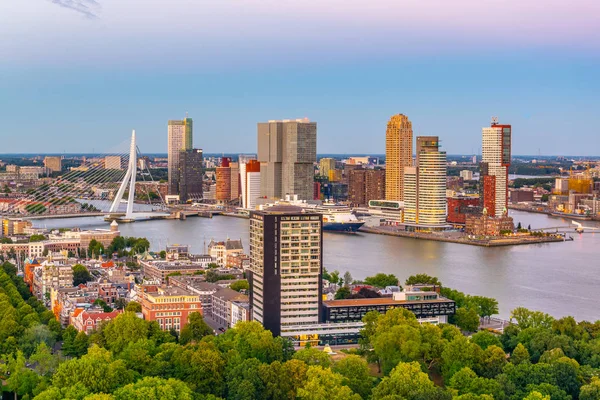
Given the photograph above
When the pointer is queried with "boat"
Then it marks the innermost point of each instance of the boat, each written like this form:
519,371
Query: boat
336,217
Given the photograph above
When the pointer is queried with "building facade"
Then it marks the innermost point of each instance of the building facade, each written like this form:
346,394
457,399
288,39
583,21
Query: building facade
113,162
425,185
179,139
365,185
496,158
285,267
487,225
250,183
53,163
191,173
287,151
169,306
398,155
224,178
326,165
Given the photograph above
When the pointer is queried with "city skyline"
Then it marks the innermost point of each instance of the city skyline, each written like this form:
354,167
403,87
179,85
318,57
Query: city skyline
75,76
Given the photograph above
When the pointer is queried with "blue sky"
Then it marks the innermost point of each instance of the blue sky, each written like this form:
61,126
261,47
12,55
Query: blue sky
78,75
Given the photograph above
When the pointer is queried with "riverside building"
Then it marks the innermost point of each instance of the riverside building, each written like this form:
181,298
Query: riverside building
398,155
495,162
180,134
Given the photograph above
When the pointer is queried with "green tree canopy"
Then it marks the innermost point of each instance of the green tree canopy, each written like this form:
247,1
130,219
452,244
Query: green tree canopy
195,329
152,388
406,381
240,285
382,280
81,275
423,279
322,383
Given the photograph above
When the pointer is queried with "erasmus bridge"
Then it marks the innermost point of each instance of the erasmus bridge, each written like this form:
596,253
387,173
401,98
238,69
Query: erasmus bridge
85,191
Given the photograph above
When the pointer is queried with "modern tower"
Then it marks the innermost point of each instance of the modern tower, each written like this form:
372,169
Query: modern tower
285,273
495,161
180,139
250,183
287,150
191,173
398,155
425,186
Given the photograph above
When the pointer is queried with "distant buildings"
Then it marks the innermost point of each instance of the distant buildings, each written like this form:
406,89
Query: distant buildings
113,162
460,207
326,165
287,151
220,251
466,174
53,163
495,161
398,154
285,268
425,186
487,225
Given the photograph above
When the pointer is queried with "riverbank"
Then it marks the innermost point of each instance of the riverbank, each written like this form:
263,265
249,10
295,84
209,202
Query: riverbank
462,239
542,210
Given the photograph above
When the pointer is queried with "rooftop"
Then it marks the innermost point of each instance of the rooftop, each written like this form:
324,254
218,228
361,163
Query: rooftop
377,301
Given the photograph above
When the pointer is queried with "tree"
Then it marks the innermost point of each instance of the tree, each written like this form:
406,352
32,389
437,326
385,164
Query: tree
120,303
519,226
382,280
536,396
485,339
81,275
282,380
21,380
458,354
133,306
36,238
423,279
334,277
152,388
356,374
95,249
492,363
467,319
591,391
322,383
195,329
313,356
466,381
406,381
531,319
347,278
343,293
240,285
6,240
485,306
123,329
162,254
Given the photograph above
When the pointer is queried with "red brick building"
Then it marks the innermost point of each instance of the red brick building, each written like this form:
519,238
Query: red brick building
89,320
459,207
169,306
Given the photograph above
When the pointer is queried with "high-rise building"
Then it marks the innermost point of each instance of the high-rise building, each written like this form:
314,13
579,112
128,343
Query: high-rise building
495,161
365,185
250,179
179,139
287,151
244,160
425,186
113,162
235,180
53,163
191,172
285,268
398,155
326,165
374,185
223,177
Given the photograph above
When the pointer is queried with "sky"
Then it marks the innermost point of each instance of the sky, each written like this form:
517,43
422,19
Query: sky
78,75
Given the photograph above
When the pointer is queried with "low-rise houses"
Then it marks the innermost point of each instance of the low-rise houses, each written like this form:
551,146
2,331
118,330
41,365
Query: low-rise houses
220,251
168,306
89,320
51,274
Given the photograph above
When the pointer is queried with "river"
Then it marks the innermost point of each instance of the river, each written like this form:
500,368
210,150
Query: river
557,278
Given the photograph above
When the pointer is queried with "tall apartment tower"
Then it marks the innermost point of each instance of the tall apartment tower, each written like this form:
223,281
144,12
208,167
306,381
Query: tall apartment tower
179,139
495,161
326,165
398,155
224,178
287,151
53,163
191,172
425,185
250,183
285,268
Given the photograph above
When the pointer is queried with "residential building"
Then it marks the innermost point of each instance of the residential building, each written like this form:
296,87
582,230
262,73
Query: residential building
326,165
487,225
224,179
240,312
197,285
177,252
169,306
287,151
425,186
496,158
180,136
520,195
285,267
113,162
12,226
222,307
103,236
190,175
466,174
365,185
220,251
160,269
53,163
90,320
51,274
459,207
398,155
250,183
561,186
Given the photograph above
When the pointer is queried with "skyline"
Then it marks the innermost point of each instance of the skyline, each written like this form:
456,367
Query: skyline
135,65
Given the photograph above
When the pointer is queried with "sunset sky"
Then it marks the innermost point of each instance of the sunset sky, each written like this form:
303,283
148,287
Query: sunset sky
78,75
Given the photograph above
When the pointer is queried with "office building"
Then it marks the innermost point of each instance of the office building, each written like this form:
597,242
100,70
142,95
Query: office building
425,186
113,162
235,180
326,165
53,163
224,178
285,268
191,172
398,155
466,174
287,151
179,139
495,161
365,185
250,183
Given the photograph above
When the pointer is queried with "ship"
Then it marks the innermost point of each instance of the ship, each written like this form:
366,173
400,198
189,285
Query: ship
336,217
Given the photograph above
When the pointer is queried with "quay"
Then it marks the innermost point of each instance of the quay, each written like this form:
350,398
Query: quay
462,239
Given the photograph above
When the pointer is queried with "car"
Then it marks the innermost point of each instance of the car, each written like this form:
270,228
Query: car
222,329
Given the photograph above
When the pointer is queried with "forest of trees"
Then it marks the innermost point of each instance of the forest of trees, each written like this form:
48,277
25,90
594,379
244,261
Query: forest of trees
398,359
